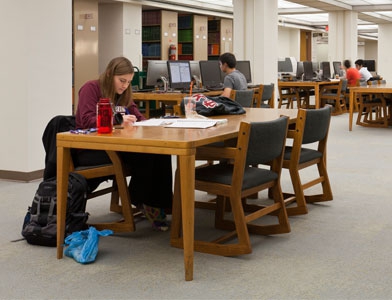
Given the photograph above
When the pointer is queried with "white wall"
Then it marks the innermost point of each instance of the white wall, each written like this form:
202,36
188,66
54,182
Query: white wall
120,33
384,65
132,38
255,38
371,51
110,41
322,52
36,77
288,42
361,52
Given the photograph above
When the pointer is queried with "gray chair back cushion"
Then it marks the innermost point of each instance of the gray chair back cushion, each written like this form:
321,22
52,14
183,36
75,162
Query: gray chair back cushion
267,92
244,97
266,141
317,124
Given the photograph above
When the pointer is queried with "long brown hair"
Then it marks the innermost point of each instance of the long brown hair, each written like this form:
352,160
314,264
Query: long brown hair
117,66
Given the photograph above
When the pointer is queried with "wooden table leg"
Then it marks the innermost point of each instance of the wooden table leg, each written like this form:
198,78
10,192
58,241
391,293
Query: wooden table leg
187,173
63,163
147,113
317,96
351,110
175,226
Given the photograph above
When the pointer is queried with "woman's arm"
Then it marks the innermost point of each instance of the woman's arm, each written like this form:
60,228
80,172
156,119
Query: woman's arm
86,114
133,110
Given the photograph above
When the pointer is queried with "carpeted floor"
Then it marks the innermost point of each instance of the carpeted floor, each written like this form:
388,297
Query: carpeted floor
340,250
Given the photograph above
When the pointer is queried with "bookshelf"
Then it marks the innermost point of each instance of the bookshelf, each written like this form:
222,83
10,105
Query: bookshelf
220,37
159,30
185,37
196,37
192,37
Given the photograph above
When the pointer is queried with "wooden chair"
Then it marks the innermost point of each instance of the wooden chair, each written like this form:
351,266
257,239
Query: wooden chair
112,171
287,97
264,96
388,101
243,97
120,201
290,97
312,127
335,95
372,110
234,182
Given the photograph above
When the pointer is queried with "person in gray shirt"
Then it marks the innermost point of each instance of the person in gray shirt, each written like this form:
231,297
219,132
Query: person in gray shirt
234,79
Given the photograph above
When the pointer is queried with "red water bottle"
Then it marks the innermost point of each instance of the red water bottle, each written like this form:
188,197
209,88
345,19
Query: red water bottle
104,116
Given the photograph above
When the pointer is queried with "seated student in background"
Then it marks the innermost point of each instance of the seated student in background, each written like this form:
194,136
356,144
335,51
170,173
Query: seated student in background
150,185
352,74
234,79
365,74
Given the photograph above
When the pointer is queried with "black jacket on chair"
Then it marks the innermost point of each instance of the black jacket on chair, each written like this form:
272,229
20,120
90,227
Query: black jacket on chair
55,125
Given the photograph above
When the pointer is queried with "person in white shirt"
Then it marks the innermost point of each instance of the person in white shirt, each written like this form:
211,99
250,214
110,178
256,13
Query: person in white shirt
365,74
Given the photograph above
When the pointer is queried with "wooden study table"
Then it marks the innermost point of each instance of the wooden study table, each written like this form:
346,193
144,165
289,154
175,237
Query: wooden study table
309,85
164,97
367,89
157,139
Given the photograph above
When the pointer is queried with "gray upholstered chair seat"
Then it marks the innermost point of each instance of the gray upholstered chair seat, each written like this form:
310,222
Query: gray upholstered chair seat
222,173
331,95
306,154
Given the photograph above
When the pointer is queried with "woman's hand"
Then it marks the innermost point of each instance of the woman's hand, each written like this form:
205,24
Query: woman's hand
129,119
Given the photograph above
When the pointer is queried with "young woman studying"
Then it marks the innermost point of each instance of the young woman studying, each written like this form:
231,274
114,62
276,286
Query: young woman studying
150,185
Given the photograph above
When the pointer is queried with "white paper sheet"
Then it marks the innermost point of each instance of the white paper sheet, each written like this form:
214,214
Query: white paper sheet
181,123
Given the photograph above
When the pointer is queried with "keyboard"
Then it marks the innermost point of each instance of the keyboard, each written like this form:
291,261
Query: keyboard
215,88
195,91
143,91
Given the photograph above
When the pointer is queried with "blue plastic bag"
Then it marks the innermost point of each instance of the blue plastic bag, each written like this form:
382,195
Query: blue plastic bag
83,245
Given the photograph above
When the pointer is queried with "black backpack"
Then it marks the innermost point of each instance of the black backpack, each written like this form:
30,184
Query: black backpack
40,223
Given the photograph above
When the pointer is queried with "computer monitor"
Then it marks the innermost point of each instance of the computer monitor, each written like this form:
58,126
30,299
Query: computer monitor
326,69
179,74
370,64
155,70
210,73
195,68
300,69
285,66
337,68
308,70
315,66
244,67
